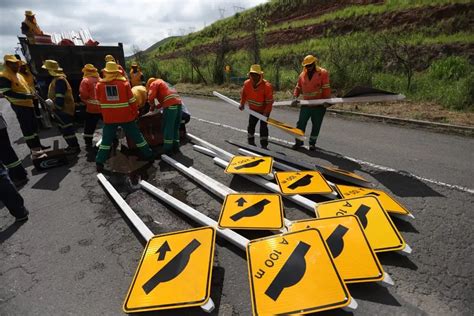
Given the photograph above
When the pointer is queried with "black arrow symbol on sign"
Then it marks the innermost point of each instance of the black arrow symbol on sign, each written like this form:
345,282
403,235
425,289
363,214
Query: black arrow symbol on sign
241,201
250,211
163,250
361,213
173,268
250,164
302,182
335,241
373,193
291,273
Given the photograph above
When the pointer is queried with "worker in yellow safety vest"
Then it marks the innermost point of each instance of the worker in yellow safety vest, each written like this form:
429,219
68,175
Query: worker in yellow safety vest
63,105
20,95
313,83
136,75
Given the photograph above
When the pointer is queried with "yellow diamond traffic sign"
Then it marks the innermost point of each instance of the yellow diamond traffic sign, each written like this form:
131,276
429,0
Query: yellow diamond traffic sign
250,165
294,273
388,203
355,260
378,227
252,211
302,182
174,271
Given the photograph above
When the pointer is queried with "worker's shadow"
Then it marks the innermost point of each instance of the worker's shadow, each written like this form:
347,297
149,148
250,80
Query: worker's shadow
52,178
401,183
10,230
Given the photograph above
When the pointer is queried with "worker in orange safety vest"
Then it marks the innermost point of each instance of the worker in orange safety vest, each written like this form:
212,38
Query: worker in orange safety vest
30,27
313,83
170,101
258,94
118,106
90,79
136,75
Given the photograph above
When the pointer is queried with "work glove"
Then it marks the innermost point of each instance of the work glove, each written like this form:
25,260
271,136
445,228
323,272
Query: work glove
49,103
295,102
241,107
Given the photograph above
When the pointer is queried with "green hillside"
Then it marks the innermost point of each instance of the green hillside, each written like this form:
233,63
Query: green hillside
422,48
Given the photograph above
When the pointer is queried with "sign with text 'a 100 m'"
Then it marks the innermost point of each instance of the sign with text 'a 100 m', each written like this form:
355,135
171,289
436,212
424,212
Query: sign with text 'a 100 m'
174,271
250,165
294,273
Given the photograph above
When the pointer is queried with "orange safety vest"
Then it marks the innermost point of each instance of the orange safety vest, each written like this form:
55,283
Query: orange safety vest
316,88
136,78
259,99
87,94
19,85
117,103
69,104
166,95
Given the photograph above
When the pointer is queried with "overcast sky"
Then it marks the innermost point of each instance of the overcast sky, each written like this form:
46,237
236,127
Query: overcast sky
132,22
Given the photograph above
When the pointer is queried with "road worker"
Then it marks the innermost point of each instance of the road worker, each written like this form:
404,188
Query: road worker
313,83
168,99
63,105
112,58
90,79
30,78
30,27
140,94
118,106
17,91
136,75
258,94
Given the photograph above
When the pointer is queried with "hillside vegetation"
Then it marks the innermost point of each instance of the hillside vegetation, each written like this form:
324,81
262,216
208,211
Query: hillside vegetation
424,49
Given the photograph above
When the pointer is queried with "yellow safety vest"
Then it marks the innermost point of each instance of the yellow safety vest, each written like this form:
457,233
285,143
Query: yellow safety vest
19,85
69,105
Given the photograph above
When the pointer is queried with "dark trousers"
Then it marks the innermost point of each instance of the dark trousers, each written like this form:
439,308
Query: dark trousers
316,114
10,196
90,124
9,158
251,131
66,126
28,124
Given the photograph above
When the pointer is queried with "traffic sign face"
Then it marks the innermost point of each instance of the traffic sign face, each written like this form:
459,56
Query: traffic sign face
252,211
355,260
285,127
174,271
388,203
378,227
294,273
250,165
302,182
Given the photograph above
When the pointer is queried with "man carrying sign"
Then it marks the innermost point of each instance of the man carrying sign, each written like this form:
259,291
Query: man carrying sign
313,83
258,93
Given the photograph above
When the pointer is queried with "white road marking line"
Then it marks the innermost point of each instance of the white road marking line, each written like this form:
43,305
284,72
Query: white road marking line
361,162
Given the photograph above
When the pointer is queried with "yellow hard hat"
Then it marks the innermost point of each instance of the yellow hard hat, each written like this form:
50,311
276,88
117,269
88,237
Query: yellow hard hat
89,68
109,58
256,69
148,83
134,64
52,65
308,60
10,58
29,13
110,67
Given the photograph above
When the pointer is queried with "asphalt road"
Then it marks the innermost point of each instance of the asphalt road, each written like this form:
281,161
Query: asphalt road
77,254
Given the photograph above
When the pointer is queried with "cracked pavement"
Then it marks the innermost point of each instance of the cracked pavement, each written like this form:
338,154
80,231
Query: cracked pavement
77,254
